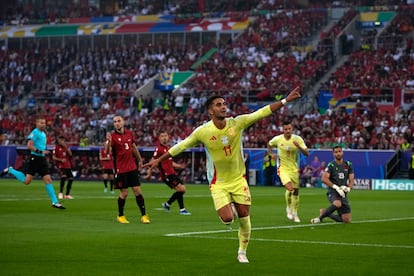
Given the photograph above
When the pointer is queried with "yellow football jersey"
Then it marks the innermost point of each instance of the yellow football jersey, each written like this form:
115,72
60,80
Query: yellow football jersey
224,149
287,152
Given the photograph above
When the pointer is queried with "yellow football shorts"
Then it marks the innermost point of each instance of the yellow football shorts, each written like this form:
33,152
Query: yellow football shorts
225,193
292,176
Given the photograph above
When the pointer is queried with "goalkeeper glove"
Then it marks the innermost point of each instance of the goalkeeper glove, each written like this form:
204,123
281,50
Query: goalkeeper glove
338,190
346,189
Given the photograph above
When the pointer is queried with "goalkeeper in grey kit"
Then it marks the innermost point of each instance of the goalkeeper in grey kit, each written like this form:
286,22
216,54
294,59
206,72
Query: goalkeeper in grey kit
339,177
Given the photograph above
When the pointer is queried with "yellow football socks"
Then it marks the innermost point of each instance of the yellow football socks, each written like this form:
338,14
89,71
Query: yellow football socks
288,198
295,204
245,228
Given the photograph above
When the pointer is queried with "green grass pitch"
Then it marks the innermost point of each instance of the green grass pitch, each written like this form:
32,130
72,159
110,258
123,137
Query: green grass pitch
85,239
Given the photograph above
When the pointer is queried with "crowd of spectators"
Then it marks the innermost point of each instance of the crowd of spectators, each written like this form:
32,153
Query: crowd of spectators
55,12
24,71
400,26
94,84
379,71
112,74
374,72
268,59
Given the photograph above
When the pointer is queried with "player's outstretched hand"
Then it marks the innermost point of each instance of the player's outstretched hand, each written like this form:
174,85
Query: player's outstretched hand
151,164
339,190
294,94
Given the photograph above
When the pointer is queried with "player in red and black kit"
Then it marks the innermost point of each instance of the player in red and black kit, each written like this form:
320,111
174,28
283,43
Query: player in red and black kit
169,175
126,155
107,166
62,155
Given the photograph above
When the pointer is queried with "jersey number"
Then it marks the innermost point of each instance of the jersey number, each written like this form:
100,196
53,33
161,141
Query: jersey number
126,146
227,150
341,175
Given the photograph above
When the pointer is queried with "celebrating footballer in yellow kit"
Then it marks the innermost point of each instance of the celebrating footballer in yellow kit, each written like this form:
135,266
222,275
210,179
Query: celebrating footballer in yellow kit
289,146
226,173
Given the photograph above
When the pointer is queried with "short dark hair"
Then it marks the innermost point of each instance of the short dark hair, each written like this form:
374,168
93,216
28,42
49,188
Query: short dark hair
335,146
211,99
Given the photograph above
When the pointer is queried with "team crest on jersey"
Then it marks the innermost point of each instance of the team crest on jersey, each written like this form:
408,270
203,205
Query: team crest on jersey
224,140
231,131
119,139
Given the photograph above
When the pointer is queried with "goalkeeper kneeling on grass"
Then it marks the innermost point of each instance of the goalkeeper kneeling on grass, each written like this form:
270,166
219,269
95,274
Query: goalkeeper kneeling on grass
339,177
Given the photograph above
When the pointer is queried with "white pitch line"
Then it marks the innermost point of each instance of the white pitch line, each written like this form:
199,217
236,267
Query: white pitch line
46,198
115,195
309,242
282,227
201,235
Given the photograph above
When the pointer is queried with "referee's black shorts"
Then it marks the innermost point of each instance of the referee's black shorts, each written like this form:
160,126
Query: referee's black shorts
37,164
